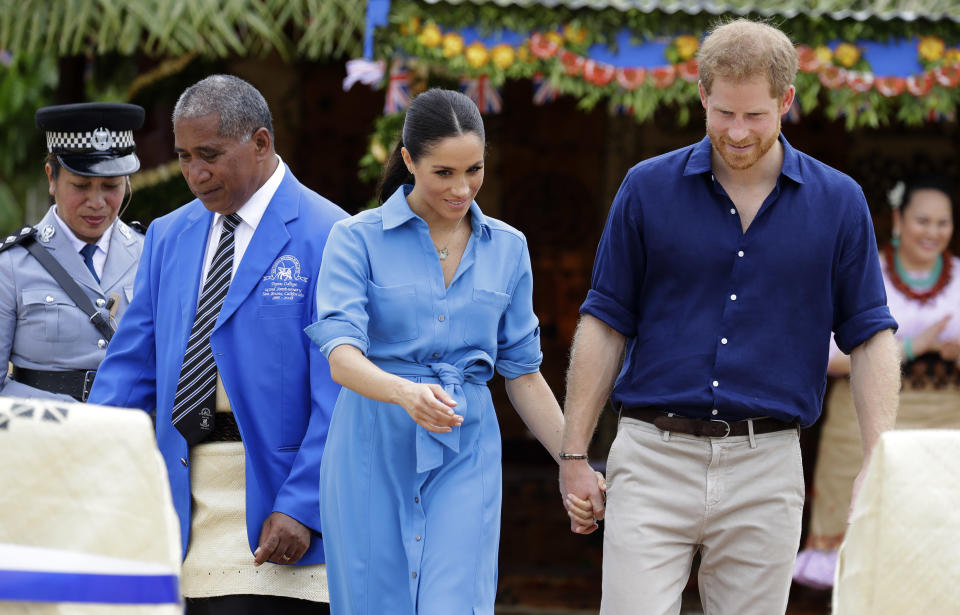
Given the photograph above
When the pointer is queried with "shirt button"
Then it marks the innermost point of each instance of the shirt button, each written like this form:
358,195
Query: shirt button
101,344
740,253
413,574
48,299
184,462
715,383
441,318
733,297
733,210
723,340
101,302
714,412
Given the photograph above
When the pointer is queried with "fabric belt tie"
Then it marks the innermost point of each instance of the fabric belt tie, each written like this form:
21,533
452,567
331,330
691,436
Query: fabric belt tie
709,428
430,445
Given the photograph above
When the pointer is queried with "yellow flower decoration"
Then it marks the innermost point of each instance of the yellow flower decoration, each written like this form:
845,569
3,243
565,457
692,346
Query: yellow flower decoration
452,44
952,56
824,53
686,45
523,54
378,151
503,55
430,36
554,37
931,48
477,54
411,27
847,54
574,34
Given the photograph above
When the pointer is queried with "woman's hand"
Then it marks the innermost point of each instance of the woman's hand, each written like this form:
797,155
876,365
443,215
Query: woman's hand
928,339
950,350
583,519
429,406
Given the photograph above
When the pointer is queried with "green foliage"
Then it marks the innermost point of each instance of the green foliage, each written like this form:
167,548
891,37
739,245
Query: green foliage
25,85
310,29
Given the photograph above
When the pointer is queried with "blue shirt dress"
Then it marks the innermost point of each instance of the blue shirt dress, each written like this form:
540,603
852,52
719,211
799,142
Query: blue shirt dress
411,519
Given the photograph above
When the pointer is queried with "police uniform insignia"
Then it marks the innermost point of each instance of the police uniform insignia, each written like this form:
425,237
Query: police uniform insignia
123,229
101,139
17,237
46,233
138,226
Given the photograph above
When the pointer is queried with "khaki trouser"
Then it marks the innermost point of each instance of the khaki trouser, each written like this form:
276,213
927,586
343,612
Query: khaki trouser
737,500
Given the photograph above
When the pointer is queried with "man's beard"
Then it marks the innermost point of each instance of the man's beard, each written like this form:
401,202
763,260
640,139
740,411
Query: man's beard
739,162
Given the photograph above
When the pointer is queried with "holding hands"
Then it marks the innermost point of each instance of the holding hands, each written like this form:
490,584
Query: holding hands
584,495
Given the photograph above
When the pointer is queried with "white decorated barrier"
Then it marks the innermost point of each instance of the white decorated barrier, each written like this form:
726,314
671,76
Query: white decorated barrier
901,553
87,524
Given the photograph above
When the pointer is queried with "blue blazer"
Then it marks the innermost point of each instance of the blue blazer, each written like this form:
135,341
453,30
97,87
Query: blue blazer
278,383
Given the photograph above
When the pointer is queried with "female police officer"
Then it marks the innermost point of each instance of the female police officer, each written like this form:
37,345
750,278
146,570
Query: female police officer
65,282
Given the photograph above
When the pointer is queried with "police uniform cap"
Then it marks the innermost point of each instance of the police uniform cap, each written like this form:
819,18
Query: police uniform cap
93,139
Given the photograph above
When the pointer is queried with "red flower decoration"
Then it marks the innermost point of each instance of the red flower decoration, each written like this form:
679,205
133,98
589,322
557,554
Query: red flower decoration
631,78
572,63
543,47
663,76
688,70
860,82
920,85
890,86
807,59
948,76
598,73
833,77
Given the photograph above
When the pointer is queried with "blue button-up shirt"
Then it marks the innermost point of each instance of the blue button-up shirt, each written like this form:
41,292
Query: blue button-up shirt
727,324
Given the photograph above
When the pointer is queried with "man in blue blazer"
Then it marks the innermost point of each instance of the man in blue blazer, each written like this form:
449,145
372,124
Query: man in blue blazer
244,456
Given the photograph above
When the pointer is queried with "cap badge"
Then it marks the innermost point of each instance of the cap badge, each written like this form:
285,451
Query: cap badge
101,139
47,232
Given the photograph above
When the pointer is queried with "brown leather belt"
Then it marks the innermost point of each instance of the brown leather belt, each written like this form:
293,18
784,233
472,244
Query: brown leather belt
708,428
224,428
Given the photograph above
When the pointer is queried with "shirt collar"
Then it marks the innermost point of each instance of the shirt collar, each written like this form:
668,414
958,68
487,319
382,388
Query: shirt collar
396,211
103,243
252,211
700,161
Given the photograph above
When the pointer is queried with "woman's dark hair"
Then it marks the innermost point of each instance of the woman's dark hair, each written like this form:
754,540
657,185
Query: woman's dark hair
929,182
51,159
433,116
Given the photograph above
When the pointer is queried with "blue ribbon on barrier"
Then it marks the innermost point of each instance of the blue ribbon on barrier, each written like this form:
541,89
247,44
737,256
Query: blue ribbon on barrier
43,586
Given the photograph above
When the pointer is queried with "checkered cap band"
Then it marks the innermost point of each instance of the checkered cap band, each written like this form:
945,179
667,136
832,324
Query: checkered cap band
99,140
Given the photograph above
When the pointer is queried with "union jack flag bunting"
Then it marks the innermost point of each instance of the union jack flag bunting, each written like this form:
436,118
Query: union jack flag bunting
543,92
481,91
398,88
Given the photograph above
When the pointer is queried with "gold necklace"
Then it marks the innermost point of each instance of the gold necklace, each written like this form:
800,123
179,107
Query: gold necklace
443,252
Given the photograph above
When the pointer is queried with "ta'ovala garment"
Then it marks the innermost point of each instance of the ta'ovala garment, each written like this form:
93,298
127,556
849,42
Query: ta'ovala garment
411,520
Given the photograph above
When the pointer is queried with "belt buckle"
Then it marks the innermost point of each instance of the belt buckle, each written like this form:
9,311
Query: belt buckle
725,424
88,377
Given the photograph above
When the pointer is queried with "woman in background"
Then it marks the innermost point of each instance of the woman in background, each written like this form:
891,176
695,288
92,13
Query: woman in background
922,281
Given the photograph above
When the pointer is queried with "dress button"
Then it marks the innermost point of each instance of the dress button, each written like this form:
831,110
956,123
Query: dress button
101,344
101,302
733,297
414,575
740,253
714,412
184,462
435,355
441,318
418,538
416,500
48,299
723,340
716,383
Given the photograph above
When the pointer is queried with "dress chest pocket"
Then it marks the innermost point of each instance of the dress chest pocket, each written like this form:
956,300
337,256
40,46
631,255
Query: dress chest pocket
483,317
393,313
50,315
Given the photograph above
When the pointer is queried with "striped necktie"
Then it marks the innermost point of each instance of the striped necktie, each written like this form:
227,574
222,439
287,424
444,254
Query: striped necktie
194,405
87,252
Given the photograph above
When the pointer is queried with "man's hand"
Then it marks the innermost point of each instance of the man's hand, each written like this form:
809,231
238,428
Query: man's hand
283,540
582,491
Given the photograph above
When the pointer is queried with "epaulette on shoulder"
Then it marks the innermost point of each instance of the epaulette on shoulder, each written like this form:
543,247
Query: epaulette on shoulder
138,226
17,238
